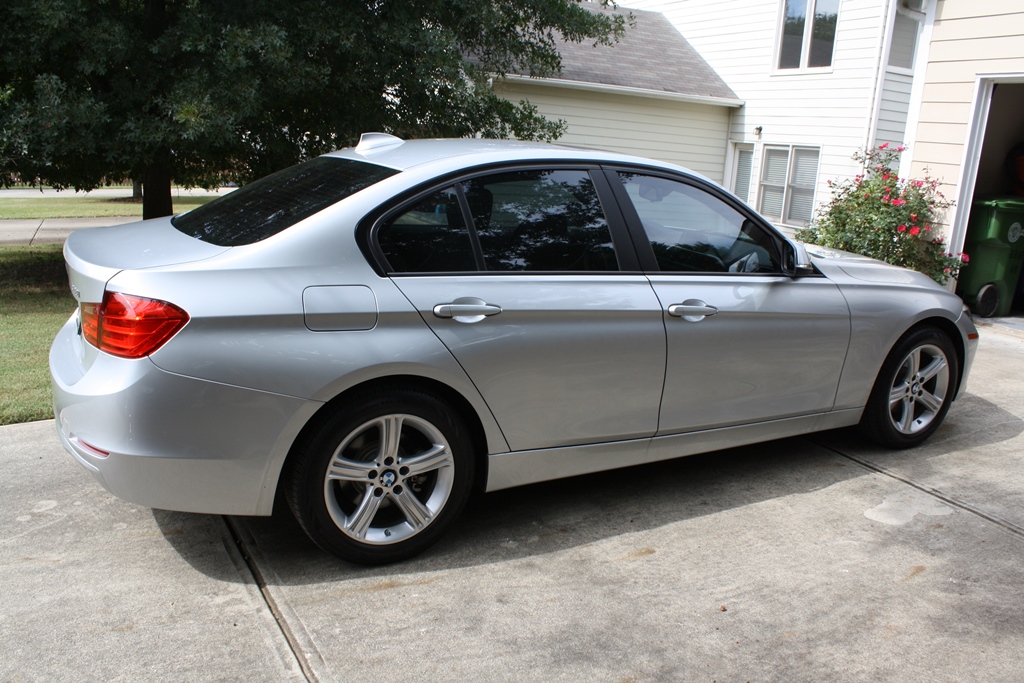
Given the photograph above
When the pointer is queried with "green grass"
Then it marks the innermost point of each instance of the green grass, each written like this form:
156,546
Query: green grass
46,206
34,303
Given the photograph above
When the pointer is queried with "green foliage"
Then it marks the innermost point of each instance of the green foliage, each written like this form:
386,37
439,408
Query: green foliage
209,91
885,217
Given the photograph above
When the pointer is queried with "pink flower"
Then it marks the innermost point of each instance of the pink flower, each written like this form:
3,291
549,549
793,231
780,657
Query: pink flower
965,258
914,230
899,202
901,148
884,145
886,176
902,228
917,183
913,218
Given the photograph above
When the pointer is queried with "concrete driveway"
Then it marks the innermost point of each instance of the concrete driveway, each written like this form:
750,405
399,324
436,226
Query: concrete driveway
815,559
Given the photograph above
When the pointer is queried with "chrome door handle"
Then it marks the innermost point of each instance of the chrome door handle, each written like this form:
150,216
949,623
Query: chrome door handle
466,310
692,310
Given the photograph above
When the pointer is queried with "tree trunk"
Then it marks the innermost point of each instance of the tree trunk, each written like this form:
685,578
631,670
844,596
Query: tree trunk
156,200
136,189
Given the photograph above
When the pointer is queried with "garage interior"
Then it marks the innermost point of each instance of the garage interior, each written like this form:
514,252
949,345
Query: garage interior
1000,177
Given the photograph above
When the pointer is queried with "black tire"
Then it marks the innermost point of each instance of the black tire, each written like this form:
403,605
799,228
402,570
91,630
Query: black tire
382,477
914,389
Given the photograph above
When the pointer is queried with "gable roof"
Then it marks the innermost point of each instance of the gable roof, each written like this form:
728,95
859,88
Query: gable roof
652,59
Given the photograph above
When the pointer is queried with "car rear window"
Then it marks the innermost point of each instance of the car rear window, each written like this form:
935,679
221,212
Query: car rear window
269,205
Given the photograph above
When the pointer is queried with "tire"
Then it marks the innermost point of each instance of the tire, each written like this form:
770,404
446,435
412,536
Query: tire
914,389
383,477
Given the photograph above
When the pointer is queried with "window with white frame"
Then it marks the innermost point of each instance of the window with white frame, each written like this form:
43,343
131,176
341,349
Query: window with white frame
788,177
808,33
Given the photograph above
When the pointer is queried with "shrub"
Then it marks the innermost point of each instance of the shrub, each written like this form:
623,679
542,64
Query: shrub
880,215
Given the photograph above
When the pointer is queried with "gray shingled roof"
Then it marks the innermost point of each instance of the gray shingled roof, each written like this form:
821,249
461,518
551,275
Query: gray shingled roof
652,55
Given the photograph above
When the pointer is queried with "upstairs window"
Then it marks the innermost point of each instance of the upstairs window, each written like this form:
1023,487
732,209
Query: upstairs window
808,33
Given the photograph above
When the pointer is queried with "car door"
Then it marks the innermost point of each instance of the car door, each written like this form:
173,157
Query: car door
537,294
745,342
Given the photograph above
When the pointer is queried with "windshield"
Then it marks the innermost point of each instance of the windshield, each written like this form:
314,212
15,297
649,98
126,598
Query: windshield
269,205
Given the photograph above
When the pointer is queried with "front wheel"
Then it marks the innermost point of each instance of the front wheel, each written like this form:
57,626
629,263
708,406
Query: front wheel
383,477
913,391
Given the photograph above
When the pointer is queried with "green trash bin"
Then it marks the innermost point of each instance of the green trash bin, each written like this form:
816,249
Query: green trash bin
995,245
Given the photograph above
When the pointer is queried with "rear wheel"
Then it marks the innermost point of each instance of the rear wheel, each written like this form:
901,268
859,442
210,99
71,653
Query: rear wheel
382,478
913,391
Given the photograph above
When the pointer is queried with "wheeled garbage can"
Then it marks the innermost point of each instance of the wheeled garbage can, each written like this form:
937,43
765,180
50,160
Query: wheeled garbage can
995,245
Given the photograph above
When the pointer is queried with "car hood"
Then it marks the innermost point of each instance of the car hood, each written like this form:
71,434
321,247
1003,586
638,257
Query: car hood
95,255
864,268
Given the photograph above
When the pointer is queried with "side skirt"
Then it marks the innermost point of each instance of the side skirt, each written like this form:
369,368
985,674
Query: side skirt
506,470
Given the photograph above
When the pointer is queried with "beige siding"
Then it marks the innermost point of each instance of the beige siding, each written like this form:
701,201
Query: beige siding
691,135
969,38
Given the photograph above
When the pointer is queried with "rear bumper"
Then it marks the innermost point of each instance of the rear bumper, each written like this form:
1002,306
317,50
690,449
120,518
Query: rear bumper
172,442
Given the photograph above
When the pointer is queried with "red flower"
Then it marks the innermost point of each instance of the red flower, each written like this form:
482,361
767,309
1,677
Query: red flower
884,145
899,202
900,148
914,230
965,258
913,218
902,228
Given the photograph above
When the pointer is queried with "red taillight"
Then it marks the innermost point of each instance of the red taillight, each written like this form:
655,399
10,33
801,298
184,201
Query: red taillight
130,326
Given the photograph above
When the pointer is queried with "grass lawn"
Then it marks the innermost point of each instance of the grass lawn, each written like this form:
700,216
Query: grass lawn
34,303
84,207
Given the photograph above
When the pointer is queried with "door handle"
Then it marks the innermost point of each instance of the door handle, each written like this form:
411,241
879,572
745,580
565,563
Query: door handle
466,310
692,310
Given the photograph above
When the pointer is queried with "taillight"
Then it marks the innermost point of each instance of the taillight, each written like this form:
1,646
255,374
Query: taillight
130,326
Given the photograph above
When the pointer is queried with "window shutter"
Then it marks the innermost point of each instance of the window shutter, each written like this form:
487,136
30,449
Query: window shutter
804,177
744,167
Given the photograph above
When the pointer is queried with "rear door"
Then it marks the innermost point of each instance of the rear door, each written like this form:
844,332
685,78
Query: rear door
535,291
745,342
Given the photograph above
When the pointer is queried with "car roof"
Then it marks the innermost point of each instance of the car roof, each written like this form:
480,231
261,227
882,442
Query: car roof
404,155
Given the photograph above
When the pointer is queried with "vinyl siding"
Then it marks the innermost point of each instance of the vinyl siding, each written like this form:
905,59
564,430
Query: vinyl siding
831,109
969,38
892,114
691,135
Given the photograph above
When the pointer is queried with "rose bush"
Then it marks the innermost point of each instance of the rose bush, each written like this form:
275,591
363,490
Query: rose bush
880,215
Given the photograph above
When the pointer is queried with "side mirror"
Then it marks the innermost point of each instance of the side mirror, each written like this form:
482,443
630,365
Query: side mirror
795,262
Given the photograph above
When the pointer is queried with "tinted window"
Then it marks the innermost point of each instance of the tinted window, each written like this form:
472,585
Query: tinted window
267,206
540,221
692,230
430,237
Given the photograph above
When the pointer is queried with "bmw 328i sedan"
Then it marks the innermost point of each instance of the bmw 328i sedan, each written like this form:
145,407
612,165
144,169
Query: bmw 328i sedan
378,333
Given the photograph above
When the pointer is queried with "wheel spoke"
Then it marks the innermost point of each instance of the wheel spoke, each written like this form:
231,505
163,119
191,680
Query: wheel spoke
432,459
349,470
390,436
937,365
913,363
907,419
898,394
416,513
930,401
360,520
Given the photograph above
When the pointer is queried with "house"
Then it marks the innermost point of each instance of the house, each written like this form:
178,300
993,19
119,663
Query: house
820,79
650,94
968,110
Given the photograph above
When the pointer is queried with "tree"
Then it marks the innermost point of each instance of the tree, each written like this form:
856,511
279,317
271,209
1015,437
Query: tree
203,92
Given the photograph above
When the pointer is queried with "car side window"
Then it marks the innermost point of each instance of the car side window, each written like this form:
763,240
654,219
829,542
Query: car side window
540,220
691,230
430,237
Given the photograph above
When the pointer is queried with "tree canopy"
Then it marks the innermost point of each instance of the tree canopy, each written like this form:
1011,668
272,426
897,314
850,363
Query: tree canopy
203,92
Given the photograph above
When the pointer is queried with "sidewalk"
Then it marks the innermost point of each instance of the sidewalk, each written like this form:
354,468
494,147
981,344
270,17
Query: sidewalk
37,231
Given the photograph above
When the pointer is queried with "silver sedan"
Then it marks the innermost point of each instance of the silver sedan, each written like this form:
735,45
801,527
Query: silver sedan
379,332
